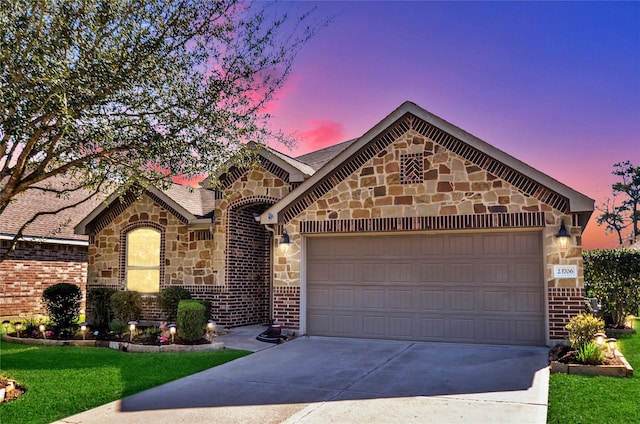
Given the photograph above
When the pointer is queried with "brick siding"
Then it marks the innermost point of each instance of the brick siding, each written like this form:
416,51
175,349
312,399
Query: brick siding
31,268
564,304
286,306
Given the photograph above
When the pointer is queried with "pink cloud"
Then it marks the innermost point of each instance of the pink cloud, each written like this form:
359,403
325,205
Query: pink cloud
322,133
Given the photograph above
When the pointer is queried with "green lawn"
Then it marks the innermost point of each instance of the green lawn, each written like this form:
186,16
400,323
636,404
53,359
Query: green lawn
62,381
604,400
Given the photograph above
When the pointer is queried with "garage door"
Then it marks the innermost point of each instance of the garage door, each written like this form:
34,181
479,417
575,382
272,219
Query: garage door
466,288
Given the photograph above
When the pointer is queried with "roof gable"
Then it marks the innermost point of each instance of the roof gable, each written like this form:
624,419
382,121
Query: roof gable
411,117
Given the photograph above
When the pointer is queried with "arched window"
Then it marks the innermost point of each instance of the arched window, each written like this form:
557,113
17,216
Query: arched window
143,260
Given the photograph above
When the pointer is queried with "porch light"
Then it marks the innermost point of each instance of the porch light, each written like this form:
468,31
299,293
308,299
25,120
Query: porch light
41,327
172,330
563,237
285,241
599,338
132,328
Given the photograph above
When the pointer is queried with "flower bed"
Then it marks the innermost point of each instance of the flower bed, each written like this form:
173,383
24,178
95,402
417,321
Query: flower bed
562,360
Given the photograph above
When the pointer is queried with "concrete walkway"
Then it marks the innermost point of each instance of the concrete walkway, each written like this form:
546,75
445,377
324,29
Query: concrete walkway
320,380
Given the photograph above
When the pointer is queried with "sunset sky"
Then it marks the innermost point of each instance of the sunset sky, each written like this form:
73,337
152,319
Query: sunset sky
556,85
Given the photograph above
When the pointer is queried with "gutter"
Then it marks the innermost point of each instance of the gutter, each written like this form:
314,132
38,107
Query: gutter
70,242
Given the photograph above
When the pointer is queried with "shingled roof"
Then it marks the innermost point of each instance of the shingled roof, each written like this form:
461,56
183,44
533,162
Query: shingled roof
53,227
318,158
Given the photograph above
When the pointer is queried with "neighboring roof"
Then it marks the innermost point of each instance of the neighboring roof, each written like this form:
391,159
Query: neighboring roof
319,158
577,202
194,205
51,228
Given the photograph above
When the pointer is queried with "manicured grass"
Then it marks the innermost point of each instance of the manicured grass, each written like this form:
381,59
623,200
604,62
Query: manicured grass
63,381
602,400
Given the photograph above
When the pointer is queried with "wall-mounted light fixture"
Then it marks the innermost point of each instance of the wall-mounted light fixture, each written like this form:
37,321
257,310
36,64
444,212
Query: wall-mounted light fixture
285,241
563,237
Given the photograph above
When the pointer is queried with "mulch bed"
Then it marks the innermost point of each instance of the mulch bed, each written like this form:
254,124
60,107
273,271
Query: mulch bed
13,390
567,355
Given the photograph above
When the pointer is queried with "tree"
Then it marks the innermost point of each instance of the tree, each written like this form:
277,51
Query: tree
619,217
132,92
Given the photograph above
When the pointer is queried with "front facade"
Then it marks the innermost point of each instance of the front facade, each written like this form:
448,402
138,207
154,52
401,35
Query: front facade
414,231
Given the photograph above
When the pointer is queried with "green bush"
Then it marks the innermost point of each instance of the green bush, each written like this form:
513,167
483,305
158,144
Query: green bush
191,320
613,277
62,301
126,305
582,328
590,354
207,308
98,301
169,298
118,328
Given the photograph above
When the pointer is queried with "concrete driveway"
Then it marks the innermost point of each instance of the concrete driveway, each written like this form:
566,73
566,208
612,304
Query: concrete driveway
320,380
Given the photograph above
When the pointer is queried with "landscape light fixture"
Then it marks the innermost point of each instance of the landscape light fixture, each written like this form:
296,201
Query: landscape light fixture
612,345
172,330
285,241
132,328
18,327
563,237
5,324
42,328
599,338
83,329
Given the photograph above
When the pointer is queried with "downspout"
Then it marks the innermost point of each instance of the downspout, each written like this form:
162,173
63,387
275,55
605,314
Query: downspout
271,258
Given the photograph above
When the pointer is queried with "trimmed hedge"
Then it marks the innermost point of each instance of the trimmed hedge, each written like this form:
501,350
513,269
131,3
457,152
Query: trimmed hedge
169,298
613,276
126,305
192,320
62,301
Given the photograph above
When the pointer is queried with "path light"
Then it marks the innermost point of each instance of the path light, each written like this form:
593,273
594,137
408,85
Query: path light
5,324
563,237
285,241
599,338
42,330
18,327
172,330
83,329
612,345
211,327
132,329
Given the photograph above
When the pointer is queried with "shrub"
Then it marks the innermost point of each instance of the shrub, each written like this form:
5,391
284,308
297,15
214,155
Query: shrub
118,328
98,301
191,320
62,301
126,305
207,308
613,276
590,354
169,298
582,328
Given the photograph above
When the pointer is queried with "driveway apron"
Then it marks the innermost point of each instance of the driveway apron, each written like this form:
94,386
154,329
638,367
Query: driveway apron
320,380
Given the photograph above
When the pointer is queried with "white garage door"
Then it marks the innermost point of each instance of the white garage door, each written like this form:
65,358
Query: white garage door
467,288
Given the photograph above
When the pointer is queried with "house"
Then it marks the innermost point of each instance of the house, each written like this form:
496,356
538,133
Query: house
417,230
49,252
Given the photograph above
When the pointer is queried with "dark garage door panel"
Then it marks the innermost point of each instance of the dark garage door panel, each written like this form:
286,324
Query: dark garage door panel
471,288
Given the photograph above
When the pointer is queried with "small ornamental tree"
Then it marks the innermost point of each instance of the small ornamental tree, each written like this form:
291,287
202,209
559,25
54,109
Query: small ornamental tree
126,305
98,301
613,277
169,298
63,304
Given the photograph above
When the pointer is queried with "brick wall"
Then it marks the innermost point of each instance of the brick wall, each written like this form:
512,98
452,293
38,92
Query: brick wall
564,303
31,268
286,306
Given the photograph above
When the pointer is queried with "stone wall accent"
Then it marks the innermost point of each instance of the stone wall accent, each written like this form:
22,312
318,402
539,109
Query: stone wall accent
564,303
31,268
286,305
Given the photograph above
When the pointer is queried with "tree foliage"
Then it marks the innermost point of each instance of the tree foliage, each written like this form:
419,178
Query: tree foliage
617,218
134,91
613,276
62,301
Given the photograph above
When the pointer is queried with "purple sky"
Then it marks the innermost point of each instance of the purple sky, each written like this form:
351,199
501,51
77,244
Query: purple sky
557,85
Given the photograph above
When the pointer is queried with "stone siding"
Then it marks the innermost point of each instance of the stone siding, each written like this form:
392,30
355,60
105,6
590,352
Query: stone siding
31,268
392,184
